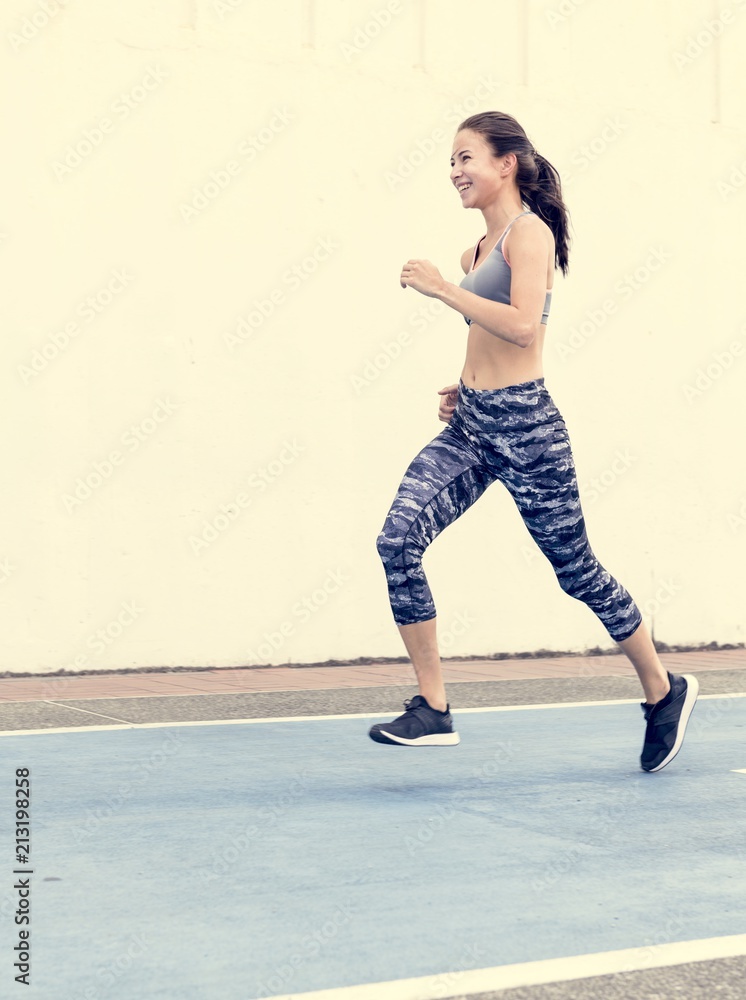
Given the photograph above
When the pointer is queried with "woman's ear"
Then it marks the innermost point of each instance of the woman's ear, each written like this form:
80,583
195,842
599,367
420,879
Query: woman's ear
509,160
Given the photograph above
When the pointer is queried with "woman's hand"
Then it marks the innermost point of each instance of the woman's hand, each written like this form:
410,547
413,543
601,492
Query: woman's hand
423,277
448,403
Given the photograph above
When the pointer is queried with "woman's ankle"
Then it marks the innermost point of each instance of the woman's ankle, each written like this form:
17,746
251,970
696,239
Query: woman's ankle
436,700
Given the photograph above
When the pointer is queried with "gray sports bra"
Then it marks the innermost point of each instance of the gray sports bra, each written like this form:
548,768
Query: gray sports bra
491,279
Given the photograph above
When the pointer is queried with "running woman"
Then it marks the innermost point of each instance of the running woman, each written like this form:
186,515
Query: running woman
502,424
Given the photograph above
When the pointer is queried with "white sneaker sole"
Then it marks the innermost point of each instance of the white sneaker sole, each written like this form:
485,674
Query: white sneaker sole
692,690
433,740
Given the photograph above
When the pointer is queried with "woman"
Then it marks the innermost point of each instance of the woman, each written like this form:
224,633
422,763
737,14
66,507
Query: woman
503,424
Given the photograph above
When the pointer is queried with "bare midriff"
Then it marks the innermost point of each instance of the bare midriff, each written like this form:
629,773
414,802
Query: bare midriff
492,363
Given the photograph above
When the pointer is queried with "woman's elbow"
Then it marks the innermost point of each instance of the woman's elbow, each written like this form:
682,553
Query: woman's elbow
526,334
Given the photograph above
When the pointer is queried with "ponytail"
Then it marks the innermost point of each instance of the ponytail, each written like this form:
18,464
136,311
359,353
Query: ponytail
537,180
543,194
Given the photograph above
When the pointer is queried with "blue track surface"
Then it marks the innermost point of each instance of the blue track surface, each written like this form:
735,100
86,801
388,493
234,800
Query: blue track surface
252,860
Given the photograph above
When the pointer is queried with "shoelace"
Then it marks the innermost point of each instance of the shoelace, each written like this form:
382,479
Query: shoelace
656,716
420,706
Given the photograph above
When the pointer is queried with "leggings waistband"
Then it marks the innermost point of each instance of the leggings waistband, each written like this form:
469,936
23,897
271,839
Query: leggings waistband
508,390
518,407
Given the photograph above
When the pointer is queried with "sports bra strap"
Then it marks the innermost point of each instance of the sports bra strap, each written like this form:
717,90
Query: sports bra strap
507,228
498,245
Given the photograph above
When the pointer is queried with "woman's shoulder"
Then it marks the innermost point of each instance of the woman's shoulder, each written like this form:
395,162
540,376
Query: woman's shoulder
531,223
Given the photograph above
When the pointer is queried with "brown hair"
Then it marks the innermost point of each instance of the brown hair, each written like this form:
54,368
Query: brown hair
537,180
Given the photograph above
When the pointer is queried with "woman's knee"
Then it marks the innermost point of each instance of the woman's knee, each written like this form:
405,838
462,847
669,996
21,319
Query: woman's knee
385,546
584,581
396,547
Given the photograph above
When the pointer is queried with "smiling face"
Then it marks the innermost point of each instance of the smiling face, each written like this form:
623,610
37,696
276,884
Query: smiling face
475,171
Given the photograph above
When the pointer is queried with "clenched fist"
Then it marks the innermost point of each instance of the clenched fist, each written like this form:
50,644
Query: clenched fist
448,402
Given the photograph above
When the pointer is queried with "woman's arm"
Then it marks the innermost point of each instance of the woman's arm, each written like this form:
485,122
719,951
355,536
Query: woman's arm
519,322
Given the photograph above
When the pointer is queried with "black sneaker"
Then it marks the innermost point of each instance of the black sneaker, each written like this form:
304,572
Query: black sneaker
420,726
667,721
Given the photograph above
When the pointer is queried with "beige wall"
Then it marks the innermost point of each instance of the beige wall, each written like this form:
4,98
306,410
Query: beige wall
207,206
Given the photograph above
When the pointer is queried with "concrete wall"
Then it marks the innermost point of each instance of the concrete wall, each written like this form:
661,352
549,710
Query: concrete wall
213,381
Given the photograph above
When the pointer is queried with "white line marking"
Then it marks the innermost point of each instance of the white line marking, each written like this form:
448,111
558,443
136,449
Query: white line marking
66,729
553,970
87,711
320,718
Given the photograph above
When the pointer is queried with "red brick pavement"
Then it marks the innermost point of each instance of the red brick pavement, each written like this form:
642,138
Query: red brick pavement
145,684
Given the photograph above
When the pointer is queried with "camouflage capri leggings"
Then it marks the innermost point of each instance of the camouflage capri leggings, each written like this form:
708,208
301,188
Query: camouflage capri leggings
516,435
